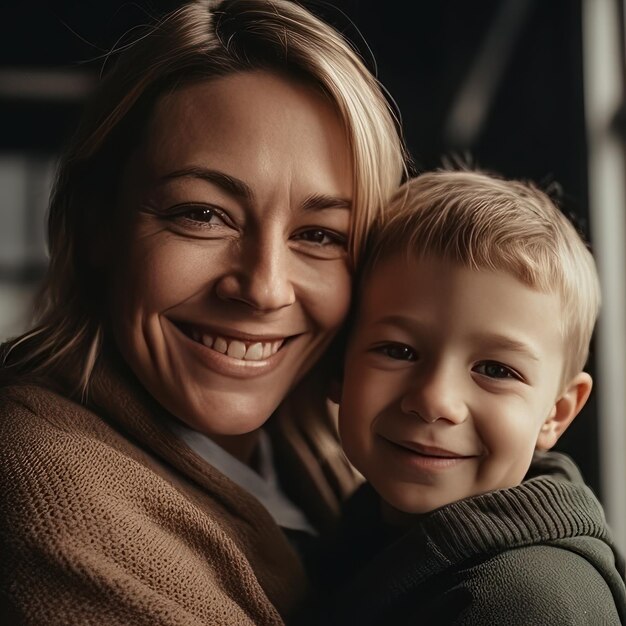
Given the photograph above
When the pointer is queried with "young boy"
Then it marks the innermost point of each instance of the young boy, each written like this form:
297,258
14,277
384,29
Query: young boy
472,328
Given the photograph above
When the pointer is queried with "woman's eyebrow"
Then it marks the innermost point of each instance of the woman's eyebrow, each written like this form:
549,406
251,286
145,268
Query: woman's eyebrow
236,187
230,184
319,202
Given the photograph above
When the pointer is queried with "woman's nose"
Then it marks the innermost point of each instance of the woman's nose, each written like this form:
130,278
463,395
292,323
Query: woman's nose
436,395
261,276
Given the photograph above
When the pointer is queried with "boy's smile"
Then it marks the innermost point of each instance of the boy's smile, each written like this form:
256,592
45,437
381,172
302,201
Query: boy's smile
452,379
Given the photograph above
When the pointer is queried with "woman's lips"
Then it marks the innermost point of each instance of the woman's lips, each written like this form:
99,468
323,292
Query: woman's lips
241,356
242,346
237,349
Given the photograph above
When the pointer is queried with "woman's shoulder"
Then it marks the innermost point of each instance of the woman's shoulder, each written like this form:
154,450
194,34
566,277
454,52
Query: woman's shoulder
49,473
21,397
35,418
59,462
30,410
87,521
44,438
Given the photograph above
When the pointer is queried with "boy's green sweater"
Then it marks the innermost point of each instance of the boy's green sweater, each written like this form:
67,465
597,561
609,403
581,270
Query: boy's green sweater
539,553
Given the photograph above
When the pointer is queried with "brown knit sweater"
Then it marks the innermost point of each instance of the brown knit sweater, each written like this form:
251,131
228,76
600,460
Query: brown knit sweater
106,519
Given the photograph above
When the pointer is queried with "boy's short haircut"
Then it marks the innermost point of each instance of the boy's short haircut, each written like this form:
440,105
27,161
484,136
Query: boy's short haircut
485,222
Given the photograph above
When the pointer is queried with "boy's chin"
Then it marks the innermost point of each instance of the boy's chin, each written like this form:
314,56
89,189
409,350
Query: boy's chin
403,515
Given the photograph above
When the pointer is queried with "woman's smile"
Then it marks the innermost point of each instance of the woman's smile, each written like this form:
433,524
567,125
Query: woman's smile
235,343
231,352
235,279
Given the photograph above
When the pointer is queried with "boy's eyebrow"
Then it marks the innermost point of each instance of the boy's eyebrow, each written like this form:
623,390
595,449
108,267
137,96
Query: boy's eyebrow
492,341
504,342
397,320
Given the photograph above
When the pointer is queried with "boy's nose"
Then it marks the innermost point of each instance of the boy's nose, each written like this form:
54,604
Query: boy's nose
436,396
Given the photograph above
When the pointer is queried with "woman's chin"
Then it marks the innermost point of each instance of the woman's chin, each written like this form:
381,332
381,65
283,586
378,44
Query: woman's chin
216,412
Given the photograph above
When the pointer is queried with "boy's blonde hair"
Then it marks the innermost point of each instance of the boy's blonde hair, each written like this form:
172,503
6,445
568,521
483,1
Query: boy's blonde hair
484,222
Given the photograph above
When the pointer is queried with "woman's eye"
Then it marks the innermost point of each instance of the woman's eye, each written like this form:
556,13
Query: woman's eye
199,214
202,215
398,351
321,237
493,369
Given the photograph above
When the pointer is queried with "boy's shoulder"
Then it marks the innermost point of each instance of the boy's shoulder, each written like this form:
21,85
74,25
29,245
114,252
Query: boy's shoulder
541,551
561,582
551,581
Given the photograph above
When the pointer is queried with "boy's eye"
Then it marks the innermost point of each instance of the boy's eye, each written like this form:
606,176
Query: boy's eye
493,369
398,351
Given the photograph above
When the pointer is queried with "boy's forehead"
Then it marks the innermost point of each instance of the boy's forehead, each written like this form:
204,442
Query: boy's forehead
409,263
426,286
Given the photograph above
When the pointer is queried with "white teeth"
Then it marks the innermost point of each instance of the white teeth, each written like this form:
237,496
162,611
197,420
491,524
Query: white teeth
221,345
236,349
254,352
257,351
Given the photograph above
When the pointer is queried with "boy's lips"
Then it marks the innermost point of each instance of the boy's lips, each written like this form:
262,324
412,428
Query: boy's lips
419,457
429,450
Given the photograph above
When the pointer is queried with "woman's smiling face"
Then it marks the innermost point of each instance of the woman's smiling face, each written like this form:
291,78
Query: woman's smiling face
232,275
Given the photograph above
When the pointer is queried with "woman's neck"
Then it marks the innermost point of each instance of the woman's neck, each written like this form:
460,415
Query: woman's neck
242,447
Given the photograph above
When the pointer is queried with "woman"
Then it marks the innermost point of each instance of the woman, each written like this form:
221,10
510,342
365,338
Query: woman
202,229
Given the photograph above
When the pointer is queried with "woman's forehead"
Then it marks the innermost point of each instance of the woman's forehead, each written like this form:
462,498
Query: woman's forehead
256,127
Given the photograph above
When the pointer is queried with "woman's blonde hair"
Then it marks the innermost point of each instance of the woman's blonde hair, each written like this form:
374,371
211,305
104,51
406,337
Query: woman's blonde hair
199,41
485,222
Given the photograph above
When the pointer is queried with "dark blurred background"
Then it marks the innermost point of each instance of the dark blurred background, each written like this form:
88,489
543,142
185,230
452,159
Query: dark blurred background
523,59
497,82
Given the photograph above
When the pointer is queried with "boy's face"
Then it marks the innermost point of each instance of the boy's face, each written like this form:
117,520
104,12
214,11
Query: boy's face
452,379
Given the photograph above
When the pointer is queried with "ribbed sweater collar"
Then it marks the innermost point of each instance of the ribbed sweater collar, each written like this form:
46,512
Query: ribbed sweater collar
541,509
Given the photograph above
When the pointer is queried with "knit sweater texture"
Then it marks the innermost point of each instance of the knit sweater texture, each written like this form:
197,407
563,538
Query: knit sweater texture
536,554
107,519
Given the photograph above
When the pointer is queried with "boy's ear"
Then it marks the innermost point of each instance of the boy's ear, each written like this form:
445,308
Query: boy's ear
566,408
334,390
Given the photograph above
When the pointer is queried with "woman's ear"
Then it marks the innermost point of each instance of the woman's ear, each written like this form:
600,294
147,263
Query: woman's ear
565,409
